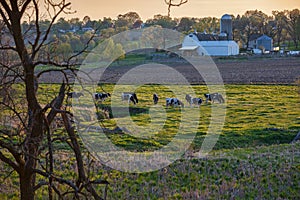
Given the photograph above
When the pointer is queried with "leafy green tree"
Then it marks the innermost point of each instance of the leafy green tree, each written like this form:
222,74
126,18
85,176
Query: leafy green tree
163,21
44,24
252,22
111,50
207,24
62,24
280,24
236,28
185,24
75,23
127,19
154,37
64,51
297,28
106,23
293,26
85,38
64,38
106,33
76,43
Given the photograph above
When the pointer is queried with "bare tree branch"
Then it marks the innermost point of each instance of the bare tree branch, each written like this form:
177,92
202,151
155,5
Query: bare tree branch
82,175
24,7
170,4
9,162
58,179
36,47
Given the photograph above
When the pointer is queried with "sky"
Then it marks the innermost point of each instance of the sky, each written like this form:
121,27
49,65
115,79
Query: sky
97,9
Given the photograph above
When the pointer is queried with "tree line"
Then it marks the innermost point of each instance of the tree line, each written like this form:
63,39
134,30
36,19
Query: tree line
282,26
71,35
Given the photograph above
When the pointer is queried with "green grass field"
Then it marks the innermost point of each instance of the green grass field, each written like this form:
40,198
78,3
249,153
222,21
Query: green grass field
252,159
256,115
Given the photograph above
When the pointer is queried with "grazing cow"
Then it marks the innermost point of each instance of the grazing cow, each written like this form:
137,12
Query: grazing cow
130,97
191,100
101,96
155,98
174,102
214,97
74,94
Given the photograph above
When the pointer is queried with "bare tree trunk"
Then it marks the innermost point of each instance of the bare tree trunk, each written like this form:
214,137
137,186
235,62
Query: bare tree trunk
26,187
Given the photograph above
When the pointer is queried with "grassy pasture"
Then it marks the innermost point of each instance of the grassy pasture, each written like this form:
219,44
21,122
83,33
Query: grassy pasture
252,158
255,115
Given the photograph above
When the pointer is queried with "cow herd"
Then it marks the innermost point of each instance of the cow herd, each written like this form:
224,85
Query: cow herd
170,102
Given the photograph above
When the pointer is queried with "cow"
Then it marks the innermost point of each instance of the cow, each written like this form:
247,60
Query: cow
214,97
74,94
193,101
174,102
130,97
155,98
101,96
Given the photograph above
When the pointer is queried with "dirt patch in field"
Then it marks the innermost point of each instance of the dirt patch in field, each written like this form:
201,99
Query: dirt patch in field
263,71
279,70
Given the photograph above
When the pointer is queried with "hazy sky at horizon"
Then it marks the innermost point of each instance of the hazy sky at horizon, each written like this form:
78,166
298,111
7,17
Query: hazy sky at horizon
97,9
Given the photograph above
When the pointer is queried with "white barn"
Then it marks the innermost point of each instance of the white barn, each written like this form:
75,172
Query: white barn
209,47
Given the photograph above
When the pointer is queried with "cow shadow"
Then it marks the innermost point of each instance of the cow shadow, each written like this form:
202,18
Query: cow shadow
120,112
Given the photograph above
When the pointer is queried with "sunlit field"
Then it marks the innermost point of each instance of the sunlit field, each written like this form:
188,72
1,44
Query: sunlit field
255,115
253,157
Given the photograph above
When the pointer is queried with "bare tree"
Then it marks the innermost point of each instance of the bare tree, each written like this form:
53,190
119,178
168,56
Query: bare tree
26,139
172,3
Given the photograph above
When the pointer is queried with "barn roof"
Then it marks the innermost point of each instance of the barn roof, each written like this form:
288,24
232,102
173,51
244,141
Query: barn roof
209,37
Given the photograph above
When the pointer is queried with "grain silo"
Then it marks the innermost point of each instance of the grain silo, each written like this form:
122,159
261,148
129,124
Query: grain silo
226,26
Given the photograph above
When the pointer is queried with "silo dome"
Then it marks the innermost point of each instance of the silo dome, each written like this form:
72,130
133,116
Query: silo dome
226,16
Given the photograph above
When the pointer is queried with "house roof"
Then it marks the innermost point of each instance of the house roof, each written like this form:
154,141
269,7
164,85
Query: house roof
265,37
259,37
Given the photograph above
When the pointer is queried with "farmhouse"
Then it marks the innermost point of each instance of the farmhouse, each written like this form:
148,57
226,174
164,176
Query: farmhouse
260,41
212,44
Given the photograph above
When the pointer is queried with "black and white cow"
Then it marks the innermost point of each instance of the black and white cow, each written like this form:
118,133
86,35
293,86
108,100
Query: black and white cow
101,96
130,97
193,101
74,94
214,97
155,98
174,102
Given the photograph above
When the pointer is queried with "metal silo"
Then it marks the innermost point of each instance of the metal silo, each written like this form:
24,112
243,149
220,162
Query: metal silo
226,26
